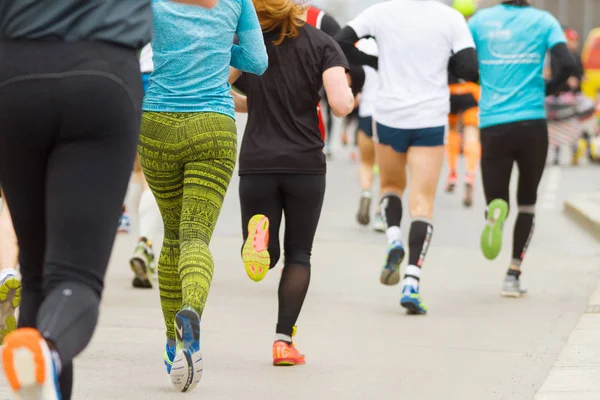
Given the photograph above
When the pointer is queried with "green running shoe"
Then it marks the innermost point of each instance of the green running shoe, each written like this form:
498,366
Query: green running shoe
143,265
491,237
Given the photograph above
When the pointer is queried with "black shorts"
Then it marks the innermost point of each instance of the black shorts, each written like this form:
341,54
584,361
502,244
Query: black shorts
462,102
365,124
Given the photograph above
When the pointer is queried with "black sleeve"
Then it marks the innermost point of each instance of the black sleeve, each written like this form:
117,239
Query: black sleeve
464,65
579,71
332,55
330,26
563,65
357,76
347,38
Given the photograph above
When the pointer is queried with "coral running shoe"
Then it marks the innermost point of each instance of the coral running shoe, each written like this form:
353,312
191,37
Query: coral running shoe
451,182
28,366
286,354
255,252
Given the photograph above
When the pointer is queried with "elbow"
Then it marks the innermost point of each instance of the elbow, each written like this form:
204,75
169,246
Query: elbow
261,65
342,108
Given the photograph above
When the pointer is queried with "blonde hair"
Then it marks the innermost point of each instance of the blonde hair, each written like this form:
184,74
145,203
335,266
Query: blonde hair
284,15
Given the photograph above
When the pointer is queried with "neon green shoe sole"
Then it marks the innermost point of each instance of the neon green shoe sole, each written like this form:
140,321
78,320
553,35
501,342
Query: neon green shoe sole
491,237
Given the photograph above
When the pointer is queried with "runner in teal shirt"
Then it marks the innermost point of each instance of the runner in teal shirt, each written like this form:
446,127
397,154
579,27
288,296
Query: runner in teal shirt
512,41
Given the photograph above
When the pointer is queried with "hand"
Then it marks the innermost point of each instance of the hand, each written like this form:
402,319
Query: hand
573,82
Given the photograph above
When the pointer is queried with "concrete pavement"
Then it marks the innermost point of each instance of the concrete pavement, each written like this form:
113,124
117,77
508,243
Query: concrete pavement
473,345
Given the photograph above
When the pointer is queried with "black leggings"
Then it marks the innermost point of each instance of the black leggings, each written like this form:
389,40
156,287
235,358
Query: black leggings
525,143
300,199
69,122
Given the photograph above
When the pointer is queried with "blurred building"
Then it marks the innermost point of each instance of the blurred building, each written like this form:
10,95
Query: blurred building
582,15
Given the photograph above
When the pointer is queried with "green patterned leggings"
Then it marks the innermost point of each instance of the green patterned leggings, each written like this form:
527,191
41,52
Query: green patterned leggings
188,160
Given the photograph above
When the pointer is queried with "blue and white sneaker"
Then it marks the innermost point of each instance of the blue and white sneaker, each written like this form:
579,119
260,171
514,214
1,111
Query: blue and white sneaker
124,222
411,300
188,365
169,356
390,273
29,367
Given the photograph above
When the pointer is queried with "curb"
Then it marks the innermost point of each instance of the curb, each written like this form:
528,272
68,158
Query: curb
585,210
576,373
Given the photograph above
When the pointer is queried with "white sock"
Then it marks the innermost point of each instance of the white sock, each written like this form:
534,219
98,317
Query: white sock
394,234
281,336
151,223
414,273
8,271
57,361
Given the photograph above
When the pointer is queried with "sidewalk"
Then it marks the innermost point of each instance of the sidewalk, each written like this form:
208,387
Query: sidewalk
576,373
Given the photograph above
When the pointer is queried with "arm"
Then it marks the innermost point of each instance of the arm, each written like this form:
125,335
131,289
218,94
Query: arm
356,79
250,55
339,94
330,26
563,65
234,75
240,101
364,25
464,65
346,39
201,3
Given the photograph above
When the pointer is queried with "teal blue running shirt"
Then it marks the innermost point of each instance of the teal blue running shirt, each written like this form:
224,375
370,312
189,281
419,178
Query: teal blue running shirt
512,43
193,49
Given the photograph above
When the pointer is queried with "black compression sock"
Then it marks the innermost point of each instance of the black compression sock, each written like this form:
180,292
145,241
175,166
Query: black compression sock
522,234
419,238
391,209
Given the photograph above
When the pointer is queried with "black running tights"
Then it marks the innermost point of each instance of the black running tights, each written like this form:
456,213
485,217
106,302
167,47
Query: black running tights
526,144
300,198
69,123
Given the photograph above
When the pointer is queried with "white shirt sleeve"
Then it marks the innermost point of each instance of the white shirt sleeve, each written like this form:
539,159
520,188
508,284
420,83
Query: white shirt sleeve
365,23
462,38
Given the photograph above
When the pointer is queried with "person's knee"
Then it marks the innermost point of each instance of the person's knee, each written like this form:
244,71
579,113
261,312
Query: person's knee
60,273
527,197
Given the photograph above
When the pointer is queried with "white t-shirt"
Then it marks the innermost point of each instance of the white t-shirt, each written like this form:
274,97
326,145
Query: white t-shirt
368,96
416,39
146,64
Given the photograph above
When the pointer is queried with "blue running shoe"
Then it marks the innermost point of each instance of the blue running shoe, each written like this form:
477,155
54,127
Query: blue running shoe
169,356
187,367
390,273
411,300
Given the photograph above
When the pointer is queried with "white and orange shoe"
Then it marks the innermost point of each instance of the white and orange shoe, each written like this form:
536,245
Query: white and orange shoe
286,354
28,366
255,253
